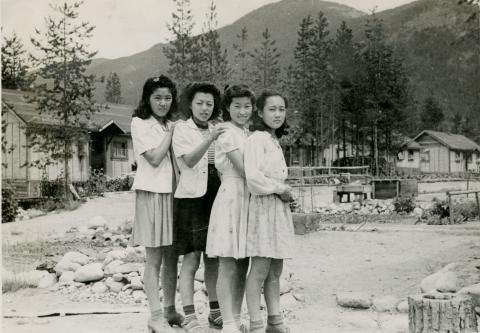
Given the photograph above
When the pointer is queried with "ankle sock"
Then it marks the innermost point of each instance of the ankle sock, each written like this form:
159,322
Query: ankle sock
214,305
156,314
256,325
189,309
275,320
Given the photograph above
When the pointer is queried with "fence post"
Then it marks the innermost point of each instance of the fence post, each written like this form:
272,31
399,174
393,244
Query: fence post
450,208
478,204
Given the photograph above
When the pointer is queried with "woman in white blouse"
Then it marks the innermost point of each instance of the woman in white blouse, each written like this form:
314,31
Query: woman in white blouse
152,131
270,235
193,145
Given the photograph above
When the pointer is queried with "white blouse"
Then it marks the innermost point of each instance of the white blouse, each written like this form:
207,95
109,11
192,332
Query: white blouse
232,139
148,134
265,166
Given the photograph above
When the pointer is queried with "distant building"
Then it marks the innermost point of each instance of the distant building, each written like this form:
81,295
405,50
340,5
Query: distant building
108,146
432,151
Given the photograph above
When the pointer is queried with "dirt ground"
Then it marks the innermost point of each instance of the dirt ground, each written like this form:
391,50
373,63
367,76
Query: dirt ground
389,261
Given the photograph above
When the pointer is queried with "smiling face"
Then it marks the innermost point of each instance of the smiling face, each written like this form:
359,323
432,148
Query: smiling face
274,112
161,101
240,110
202,106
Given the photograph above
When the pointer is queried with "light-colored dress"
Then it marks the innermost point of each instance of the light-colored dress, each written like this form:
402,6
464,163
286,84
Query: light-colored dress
270,231
227,231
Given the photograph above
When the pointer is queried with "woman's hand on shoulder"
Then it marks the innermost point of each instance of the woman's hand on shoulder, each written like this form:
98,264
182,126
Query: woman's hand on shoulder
217,130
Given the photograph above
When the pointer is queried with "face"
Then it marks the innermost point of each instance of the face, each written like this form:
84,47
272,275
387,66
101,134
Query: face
274,112
202,106
161,101
240,110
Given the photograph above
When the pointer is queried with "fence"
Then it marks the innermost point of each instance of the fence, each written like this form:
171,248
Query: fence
312,185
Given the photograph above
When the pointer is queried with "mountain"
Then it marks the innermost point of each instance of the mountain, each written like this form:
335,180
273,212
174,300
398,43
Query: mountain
429,34
282,18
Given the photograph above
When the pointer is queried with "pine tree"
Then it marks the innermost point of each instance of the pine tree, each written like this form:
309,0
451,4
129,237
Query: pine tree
242,57
113,89
265,63
215,64
181,49
432,114
456,122
65,97
14,64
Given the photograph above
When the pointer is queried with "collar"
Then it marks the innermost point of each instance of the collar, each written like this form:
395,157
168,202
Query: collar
190,123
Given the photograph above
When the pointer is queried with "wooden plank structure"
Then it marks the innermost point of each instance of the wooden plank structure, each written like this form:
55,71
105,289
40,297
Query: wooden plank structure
454,193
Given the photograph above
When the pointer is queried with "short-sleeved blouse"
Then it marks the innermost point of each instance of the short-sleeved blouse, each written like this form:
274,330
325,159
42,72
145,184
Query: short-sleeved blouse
148,134
265,166
232,139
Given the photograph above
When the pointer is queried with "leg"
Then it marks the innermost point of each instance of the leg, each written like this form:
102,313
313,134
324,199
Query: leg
272,298
151,281
190,264
238,291
225,290
211,277
258,273
169,284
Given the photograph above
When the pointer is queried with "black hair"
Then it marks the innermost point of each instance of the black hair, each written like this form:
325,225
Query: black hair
235,91
189,92
259,124
144,110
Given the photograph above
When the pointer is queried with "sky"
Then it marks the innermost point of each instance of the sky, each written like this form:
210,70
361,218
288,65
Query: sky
125,27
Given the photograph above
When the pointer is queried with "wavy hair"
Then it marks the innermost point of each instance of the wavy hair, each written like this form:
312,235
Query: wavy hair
188,93
258,123
144,110
235,91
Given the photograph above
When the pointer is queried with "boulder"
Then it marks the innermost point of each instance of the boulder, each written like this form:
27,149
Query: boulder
114,255
136,283
123,268
385,303
65,265
138,296
447,282
356,300
89,273
99,288
114,286
473,291
402,307
111,268
418,212
118,277
47,281
67,277
96,222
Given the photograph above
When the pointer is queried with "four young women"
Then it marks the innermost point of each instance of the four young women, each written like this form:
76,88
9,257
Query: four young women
229,203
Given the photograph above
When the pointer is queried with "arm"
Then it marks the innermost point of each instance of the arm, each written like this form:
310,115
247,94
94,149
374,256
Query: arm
236,158
258,183
192,158
156,155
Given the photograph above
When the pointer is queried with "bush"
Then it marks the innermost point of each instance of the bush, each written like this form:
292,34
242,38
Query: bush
404,204
51,188
9,205
118,184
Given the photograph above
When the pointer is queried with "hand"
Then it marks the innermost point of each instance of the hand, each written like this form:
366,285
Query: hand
286,197
172,127
216,131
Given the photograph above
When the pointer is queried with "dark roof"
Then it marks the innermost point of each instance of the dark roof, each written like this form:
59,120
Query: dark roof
109,114
411,144
452,141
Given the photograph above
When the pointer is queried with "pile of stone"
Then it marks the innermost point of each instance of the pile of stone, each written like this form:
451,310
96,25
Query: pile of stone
443,284
367,207
98,231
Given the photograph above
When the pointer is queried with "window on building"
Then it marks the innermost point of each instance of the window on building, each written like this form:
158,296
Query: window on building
458,157
426,156
401,155
410,155
119,150
470,158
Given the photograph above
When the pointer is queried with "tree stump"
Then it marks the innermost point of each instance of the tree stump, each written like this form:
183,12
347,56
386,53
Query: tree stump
441,313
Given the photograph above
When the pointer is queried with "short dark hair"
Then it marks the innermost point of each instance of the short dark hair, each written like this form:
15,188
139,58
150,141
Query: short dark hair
144,109
258,123
188,95
235,91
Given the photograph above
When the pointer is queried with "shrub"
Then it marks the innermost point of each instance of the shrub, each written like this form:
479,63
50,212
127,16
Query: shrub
51,188
404,204
9,205
118,184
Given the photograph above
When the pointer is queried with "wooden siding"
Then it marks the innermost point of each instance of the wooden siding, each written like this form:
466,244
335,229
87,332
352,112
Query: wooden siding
405,162
438,155
117,167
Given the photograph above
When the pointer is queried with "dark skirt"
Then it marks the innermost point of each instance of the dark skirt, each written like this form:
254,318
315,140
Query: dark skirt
192,215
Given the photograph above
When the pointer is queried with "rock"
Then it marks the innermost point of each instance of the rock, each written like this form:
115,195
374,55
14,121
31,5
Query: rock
76,257
47,281
67,277
118,277
114,255
385,303
136,283
356,300
402,307
110,269
133,274
65,265
428,284
123,268
96,222
138,296
114,286
89,273
473,291
418,212
99,288
447,282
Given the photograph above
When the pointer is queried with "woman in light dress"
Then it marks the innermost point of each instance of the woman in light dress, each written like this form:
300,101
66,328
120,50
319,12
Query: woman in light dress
270,234
227,232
